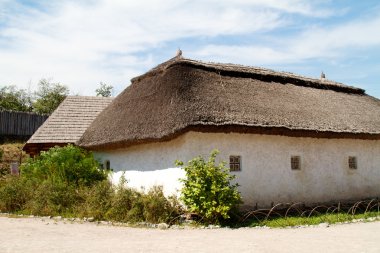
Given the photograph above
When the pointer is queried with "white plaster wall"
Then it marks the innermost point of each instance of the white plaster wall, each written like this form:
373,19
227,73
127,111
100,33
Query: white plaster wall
266,175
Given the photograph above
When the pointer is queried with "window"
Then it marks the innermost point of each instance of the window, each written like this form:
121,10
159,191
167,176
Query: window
108,165
352,163
295,162
235,163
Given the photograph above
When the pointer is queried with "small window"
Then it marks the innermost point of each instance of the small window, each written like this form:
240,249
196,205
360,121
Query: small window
295,162
235,163
352,163
108,165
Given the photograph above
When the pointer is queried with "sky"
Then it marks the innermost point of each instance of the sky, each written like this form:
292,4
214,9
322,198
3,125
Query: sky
82,43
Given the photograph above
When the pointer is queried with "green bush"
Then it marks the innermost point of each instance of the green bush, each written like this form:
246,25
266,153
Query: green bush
98,200
129,205
14,193
54,198
126,204
207,189
69,164
158,208
67,181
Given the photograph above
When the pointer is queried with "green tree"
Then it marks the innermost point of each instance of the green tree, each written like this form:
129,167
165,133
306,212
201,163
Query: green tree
207,189
13,99
104,90
49,96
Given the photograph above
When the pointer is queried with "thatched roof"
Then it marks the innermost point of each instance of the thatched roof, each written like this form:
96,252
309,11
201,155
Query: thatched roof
181,95
69,121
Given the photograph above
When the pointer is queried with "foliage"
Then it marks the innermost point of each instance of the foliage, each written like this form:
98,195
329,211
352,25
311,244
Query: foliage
158,208
53,198
49,96
14,193
10,152
101,200
98,200
67,181
126,204
104,90
44,101
207,189
15,100
129,205
69,164
299,220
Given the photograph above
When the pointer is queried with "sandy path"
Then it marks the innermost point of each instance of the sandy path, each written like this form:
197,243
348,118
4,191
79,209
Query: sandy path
34,235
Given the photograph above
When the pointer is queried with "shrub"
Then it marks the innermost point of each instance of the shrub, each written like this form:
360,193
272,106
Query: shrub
130,205
14,193
158,208
207,189
9,153
126,204
69,164
98,199
48,186
54,198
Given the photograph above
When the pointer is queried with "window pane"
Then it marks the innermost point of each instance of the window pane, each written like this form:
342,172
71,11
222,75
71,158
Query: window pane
295,163
352,163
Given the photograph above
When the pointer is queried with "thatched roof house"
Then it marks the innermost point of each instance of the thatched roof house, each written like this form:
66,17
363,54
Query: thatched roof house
183,95
287,138
67,123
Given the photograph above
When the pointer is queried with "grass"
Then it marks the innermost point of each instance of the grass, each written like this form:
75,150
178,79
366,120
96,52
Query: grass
293,221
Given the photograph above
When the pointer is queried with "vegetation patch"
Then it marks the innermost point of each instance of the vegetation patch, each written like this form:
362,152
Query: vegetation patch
293,215
9,153
67,181
67,165
208,191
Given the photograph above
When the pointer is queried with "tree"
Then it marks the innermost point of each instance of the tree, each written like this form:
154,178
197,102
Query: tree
13,99
207,189
49,96
104,90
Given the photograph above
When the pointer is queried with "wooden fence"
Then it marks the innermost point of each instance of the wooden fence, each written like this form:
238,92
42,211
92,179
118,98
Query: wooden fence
21,124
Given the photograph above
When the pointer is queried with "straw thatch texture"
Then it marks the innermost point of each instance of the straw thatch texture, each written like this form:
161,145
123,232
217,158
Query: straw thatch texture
182,95
69,121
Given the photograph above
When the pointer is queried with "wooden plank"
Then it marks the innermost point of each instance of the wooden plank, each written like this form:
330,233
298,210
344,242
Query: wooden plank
20,123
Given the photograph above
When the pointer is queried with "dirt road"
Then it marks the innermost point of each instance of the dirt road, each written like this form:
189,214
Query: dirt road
37,235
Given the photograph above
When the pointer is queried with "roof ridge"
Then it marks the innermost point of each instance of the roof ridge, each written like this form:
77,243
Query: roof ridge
244,71
80,96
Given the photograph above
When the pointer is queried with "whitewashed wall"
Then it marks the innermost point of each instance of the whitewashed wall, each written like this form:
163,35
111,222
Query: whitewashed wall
266,175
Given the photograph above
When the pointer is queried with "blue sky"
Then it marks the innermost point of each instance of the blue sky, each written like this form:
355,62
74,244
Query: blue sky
82,43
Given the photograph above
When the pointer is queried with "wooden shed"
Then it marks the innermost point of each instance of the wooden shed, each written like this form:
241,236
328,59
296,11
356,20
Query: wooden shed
67,123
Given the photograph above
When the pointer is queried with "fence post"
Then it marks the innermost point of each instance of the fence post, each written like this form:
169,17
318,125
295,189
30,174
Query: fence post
15,168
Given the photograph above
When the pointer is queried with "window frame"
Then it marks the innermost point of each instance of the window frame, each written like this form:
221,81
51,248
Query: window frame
295,162
352,163
107,164
235,165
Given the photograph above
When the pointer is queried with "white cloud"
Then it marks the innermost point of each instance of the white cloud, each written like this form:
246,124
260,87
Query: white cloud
83,43
315,43
307,8
331,42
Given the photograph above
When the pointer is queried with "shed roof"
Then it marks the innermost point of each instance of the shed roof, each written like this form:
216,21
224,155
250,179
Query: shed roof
182,95
70,120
